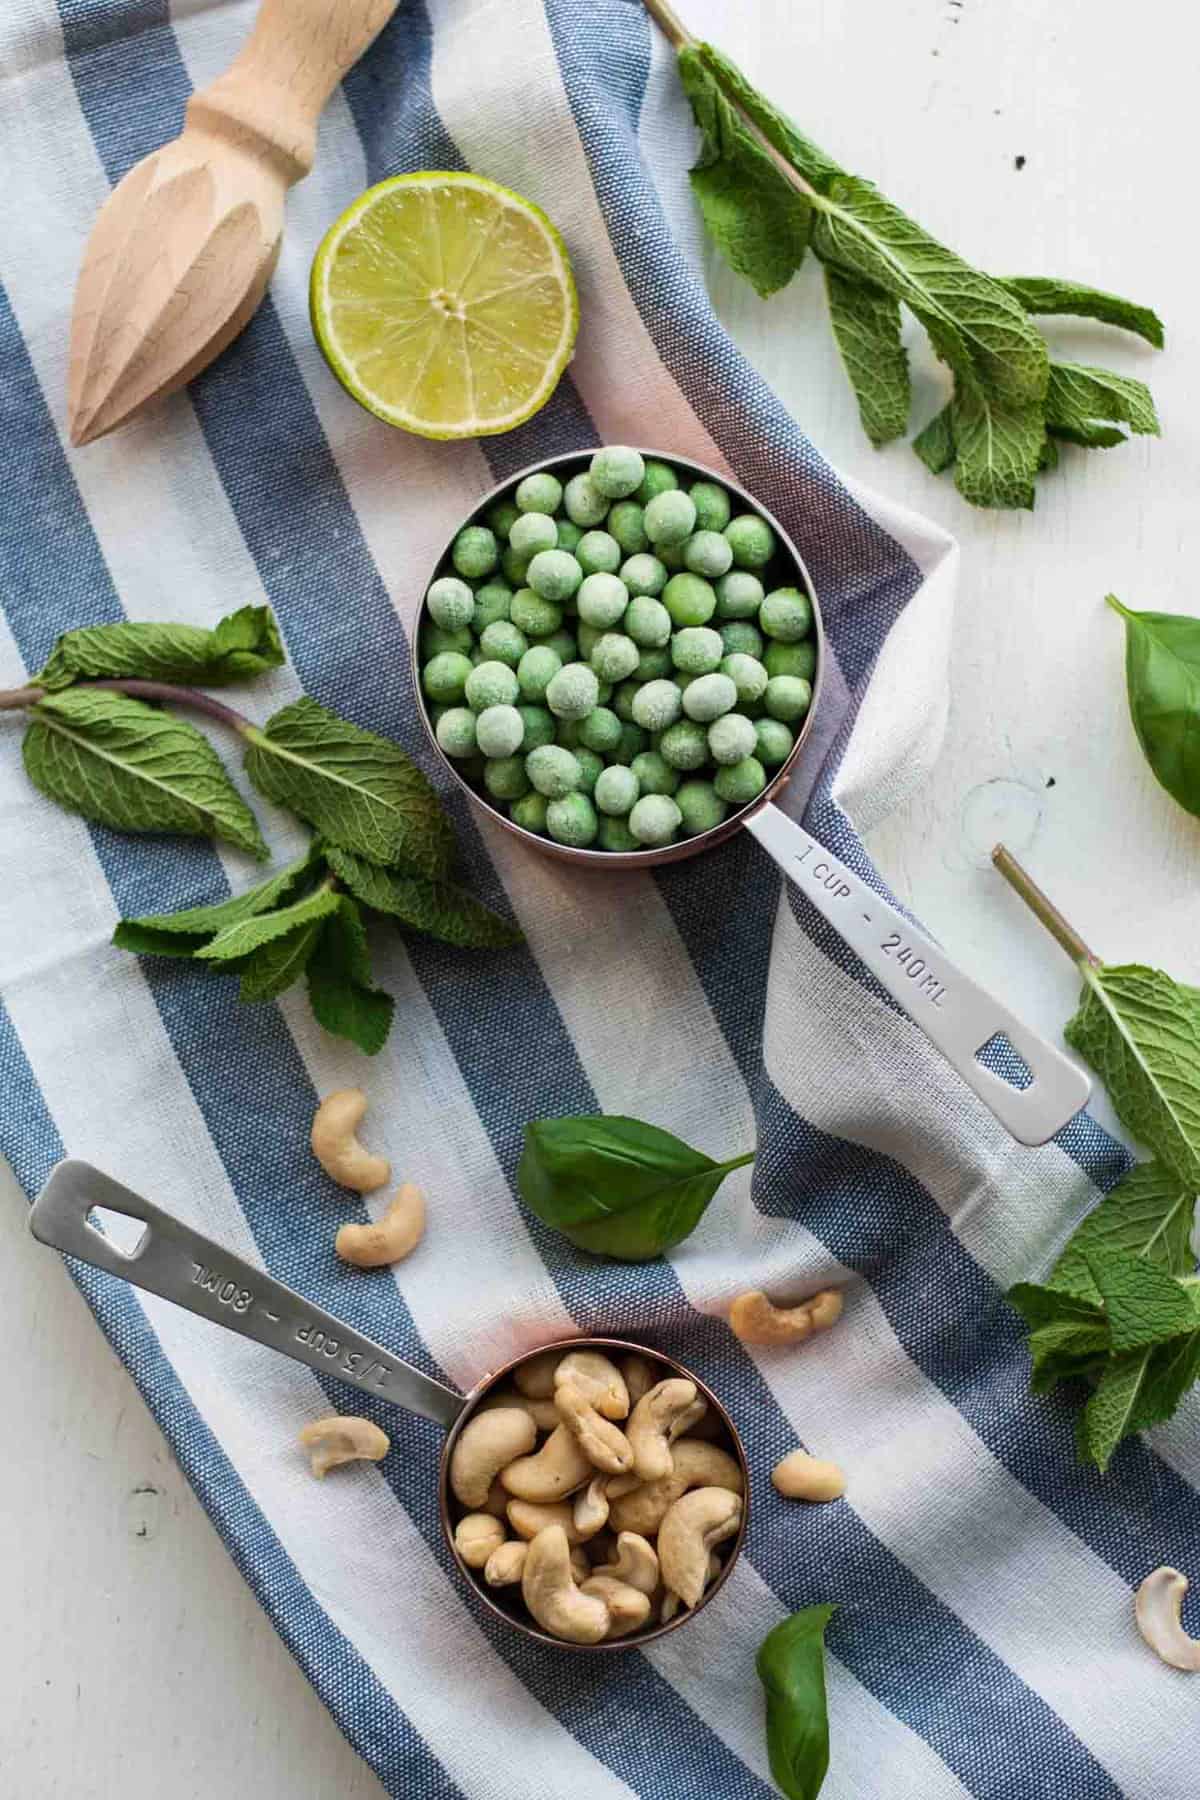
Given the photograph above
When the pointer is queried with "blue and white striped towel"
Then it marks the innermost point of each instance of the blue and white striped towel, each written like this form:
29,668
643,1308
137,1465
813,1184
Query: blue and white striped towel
985,1642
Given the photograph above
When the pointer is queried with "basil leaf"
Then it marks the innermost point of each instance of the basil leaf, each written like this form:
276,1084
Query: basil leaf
791,1667
273,968
248,934
339,982
242,645
360,791
438,908
1078,398
201,922
1044,296
122,763
1162,678
616,1186
1148,1214
866,325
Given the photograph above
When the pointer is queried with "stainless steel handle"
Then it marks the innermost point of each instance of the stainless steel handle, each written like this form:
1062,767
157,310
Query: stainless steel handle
954,1012
177,1263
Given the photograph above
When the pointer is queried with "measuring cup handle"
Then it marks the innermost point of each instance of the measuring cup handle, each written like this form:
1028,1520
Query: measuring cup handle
178,1264
954,1012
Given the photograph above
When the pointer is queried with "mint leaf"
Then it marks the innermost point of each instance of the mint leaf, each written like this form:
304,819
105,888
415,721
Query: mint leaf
122,763
248,934
998,447
1111,1413
278,965
866,325
1144,1306
1039,1306
1162,679
1044,296
242,645
360,791
1078,398
1066,1350
206,921
339,982
810,162
1148,1214
149,940
438,908
935,444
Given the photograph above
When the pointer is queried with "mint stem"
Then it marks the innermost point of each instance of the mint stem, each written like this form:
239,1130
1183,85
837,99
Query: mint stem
669,23
13,698
1043,908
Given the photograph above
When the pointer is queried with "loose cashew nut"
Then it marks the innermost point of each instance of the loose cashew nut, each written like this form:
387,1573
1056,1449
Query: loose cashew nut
544,1413
558,1469
391,1238
505,1565
605,1445
598,1380
756,1321
1157,1608
636,1563
331,1442
696,1464
527,1518
338,1150
639,1376
549,1590
627,1606
535,1378
650,1426
476,1537
804,1477
591,1507
488,1443
689,1532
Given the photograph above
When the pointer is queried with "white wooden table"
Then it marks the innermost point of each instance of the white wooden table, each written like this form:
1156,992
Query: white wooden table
130,1613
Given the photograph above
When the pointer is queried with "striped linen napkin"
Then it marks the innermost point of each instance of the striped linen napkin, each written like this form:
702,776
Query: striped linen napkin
984,1642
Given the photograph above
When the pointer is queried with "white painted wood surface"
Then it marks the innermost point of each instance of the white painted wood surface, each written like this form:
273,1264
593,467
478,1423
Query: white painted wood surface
135,1631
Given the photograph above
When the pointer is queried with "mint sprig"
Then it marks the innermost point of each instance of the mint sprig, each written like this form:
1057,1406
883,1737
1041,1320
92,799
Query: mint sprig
243,644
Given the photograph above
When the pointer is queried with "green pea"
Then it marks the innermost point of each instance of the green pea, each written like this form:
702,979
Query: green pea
787,698
751,540
625,523
731,739
652,665
597,553
492,602
502,517
616,790
616,835
536,669
554,574
553,770
742,782
740,637
644,573
633,740
572,820
659,478
539,727
505,778
655,775
586,505
601,730
655,819
569,534
434,641
684,745
622,700
799,660
475,551
530,812
590,766
503,642
739,594
700,806
456,731
707,553
536,617
444,676
774,742
697,650
748,676
689,599
712,505
617,470
540,493
786,614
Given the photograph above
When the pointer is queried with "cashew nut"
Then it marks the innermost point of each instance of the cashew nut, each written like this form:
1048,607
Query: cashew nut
605,1445
497,1501
650,1426
338,1150
627,1606
1157,1608
558,1469
549,1590
581,1564
636,1563
622,1484
670,1606
544,1413
535,1378
331,1442
488,1443
691,1529
527,1518
597,1379
756,1321
506,1563
639,1376
476,1536
591,1507
391,1238
804,1477
697,1464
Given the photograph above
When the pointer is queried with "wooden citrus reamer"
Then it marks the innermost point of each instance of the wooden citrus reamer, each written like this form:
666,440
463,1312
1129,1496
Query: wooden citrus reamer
182,251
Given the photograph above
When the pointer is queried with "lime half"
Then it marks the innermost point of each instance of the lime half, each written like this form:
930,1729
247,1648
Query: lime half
445,304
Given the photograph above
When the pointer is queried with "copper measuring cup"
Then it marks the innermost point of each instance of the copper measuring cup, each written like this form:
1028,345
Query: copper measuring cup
170,1259
956,1014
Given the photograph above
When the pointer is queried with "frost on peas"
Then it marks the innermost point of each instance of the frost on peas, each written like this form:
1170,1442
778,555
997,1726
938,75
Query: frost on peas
597,553
456,731
748,676
536,617
450,602
684,745
532,532
553,770
708,697
572,820
540,493
633,740
741,638
617,470
655,775
499,731
707,553
475,552
573,692
658,478
616,835
643,573
602,600
647,622
530,811
554,574
786,614
712,505
787,698
791,659
657,705
504,778
434,640
773,742
445,676
655,819
492,602
742,782
501,516
689,599
626,524
652,665
751,540
670,518
536,670
614,657
590,766
701,806
731,739
586,505
739,595
503,642
491,684
616,790
601,730
697,650
539,726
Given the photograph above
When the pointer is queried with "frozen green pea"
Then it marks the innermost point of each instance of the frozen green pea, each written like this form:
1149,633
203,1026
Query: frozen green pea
491,684
615,835
590,766
616,790
569,534
513,566
456,731
504,778
529,812
739,595
741,638
445,675
573,692
671,557
536,617
683,681
656,705
625,523
617,470
622,700
644,573
540,493
434,640
707,553
614,657
697,650
572,820
791,659
751,540
708,697
689,599
492,602
741,782
450,601
503,642
539,726
500,517
499,730
731,739
712,505
787,697
586,505
536,669
747,675
633,740
652,665
684,745
786,614
566,733
532,532
554,574
670,518
647,622
563,645
597,553
604,692
601,730
658,479
655,775
553,770
701,806
602,599
773,742
655,819
475,552
589,636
